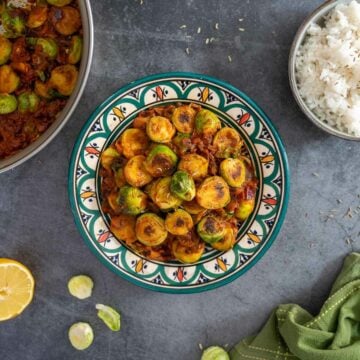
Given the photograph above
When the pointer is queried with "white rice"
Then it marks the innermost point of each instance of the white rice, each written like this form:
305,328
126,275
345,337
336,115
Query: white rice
328,69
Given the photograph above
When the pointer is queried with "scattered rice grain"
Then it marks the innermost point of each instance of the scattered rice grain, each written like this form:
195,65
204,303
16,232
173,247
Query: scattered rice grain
201,347
207,41
187,50
241,29
183,27
229,58
199,30
217,26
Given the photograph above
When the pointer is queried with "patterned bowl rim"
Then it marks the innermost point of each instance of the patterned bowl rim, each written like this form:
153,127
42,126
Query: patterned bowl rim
282,154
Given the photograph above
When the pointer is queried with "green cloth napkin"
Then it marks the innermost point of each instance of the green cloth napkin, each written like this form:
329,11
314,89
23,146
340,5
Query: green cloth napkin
292,333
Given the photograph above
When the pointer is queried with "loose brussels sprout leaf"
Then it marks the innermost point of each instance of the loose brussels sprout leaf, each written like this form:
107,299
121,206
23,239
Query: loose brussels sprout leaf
215,353
207,123
185,254
160,129
161,161
123,227
5,50
28,102
183,186
213,193
195,165
161,195
135,172
63,79
134,142
233,171
50,48
227,242
8,104
75,50
9,80
211,229
59,3
245,209
132,200
150,229
184,119
12,23
109,316
81,286
108,156
179,222
81,335
37,17
228,143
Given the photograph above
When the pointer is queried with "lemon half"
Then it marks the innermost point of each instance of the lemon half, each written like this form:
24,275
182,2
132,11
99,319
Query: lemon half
16,288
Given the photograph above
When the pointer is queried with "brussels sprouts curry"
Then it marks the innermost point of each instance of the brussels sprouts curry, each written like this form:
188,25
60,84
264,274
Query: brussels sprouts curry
177,181
40,52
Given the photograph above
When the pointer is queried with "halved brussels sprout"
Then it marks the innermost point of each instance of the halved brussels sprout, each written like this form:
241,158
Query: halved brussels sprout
195,165
228,143
63,79
183,186
182,143
213,193
207,123
43,89
59,3
123,227
8,104
75,51
161,161
179,222
233,171
215,353
9,81
108,156
184,119
132,200
81,335
160,129
185,254
28,102
112,199
49,47
150,229
134,142
161,195
140,122
227,242
119,176
5,50
13,23
66,20
192,207
37,17
245,209
135,172
211,229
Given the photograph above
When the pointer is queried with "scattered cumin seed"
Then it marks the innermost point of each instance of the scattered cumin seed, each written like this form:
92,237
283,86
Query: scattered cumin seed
201,347
183,26
241,29
316,174
199,30
229,58
217,26
187,50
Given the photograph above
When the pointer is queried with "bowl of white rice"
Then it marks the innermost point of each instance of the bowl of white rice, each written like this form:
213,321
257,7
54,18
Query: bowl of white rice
324,68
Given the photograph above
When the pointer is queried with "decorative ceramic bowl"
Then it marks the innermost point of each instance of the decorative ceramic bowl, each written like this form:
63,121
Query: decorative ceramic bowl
316,17
234,109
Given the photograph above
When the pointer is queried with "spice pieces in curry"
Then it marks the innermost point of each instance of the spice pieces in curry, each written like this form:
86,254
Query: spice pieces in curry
176,181
40,50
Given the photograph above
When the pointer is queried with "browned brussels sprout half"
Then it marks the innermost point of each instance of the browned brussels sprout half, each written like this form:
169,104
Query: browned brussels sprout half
228,143
5,50
132,200
134,142
185,254
135,172
195,165
123,227
9,80
179,222
211,229
184,119
63,79
161,195
161,161
207,123
245,209
13,23
233,171
160,129
213,193
150,229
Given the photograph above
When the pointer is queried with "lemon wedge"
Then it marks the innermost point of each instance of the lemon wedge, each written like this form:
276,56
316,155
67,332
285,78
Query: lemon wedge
16,288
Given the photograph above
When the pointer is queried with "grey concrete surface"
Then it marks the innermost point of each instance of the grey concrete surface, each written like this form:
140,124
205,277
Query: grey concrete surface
37,228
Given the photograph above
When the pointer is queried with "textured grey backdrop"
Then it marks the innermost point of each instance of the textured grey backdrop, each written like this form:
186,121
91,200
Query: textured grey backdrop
36,225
